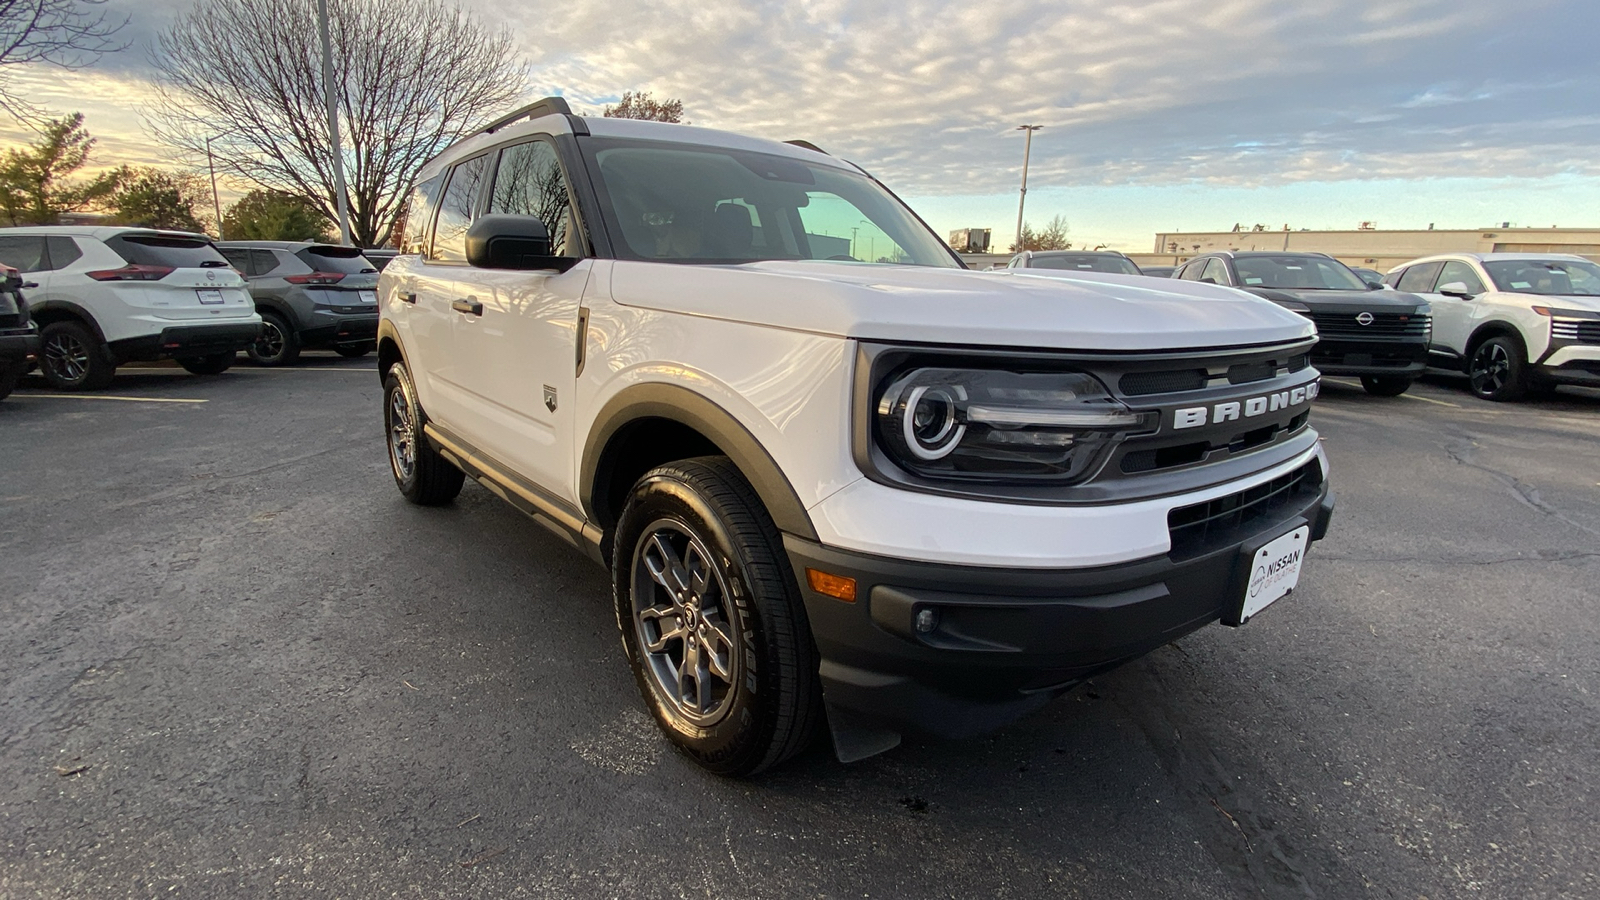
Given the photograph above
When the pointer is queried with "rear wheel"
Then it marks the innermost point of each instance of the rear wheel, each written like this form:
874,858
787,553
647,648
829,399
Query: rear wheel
1498,370
424,476
214,364
354,351
277,344
72,358
1386,385
711,618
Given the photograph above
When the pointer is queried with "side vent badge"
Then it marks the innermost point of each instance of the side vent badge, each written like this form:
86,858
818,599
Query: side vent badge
550,398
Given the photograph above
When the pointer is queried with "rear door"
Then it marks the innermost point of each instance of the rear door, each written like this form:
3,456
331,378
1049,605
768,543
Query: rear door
433,293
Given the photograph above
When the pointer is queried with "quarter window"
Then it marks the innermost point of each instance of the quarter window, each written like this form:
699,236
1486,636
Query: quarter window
456,210
529,182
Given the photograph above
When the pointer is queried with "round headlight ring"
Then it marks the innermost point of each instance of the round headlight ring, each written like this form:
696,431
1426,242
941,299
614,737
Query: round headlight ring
929,424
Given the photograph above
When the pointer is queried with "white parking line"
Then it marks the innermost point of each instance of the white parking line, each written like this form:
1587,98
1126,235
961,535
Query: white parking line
1409,396
365,371
108,397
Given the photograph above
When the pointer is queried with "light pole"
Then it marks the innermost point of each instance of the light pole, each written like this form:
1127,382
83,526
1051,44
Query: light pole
1027,150
216,203
333,124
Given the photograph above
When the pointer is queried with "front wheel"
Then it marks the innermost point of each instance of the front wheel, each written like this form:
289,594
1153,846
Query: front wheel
214,364
1498,370
1386,385
424,476
711,618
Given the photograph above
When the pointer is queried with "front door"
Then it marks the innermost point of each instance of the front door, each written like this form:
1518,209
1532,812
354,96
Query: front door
516,347
1454,317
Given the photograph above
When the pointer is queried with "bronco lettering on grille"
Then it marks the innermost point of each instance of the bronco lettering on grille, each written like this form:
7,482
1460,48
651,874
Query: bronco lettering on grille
1196,416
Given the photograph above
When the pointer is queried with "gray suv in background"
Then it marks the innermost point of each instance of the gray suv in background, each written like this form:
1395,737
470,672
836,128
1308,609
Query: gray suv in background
309,296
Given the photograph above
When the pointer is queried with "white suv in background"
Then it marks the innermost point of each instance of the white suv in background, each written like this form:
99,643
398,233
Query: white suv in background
1516,323
103,296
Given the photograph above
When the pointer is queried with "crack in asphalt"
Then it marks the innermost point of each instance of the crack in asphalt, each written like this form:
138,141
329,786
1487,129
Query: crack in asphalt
1462,449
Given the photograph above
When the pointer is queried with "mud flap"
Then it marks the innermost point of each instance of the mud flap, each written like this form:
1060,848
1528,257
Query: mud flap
855,736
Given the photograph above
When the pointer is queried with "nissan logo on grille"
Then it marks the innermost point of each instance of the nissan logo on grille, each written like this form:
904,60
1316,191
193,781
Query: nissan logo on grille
1216,414
1364,318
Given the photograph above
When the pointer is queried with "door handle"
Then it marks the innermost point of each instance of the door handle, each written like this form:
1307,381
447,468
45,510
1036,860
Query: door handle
408,296
468,305
30,284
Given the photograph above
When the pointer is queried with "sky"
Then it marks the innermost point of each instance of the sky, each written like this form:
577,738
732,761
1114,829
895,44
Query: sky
1158,116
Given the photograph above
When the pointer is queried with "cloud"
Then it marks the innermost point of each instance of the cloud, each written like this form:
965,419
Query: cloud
1168,92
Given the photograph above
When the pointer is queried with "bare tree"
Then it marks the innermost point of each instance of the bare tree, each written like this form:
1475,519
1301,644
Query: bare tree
414,76
641,105
66,33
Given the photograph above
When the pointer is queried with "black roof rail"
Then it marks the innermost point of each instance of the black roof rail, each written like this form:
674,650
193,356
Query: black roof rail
809,146
549,106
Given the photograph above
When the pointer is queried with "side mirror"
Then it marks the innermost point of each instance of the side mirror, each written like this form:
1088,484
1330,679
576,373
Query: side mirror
1376,286
1457,289
1208,280
513,242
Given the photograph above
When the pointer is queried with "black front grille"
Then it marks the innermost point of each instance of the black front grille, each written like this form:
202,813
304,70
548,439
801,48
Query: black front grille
1248,372
1383,325
1196,528
1577,331
1138,384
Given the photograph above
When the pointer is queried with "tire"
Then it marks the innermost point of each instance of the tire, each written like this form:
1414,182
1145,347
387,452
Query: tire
278,344
9,378
423,476
354,351
214,364
1498,370
72,358
695,548
1386,385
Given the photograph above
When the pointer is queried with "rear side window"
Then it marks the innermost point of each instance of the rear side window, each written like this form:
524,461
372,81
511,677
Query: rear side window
239,258
23,252
172,251
456,208
1419,279
335,259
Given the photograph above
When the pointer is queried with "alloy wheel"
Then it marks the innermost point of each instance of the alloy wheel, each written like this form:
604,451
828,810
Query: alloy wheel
402,447
1491,368
270,344
681,616
66,357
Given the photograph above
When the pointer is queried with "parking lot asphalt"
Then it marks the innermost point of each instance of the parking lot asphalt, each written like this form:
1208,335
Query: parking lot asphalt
237,664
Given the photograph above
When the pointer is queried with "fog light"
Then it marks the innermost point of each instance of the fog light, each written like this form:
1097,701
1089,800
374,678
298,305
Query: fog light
927,620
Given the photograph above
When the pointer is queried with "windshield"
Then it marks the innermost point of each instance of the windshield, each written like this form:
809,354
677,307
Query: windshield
1300,273
1084,262
690,203
1546,276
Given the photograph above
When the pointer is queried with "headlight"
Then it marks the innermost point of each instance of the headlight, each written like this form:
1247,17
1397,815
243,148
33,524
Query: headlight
977,424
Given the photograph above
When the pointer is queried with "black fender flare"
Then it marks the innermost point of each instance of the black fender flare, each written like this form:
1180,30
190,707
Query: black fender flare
685,407
73,309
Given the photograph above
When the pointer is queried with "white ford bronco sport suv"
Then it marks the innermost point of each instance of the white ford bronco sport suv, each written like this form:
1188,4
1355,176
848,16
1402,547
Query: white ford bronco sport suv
835,475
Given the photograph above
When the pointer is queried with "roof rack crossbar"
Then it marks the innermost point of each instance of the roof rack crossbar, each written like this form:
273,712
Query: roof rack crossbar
549,106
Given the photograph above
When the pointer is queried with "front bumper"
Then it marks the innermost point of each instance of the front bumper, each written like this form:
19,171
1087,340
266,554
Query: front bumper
1577,364
188,340
17,346
1337,356
1008,640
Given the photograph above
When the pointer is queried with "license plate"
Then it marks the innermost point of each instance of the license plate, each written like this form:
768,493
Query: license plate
368,296
1274,571
210,297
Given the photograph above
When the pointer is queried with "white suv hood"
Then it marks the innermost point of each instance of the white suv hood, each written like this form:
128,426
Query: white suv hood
956,306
